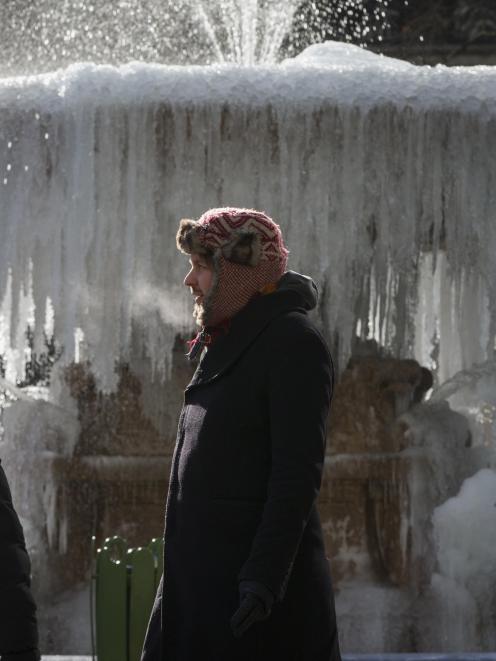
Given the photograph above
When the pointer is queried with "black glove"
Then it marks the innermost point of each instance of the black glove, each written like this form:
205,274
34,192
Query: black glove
255,605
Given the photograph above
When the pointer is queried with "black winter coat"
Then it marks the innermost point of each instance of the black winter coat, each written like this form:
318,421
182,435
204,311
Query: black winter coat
242,496
18,626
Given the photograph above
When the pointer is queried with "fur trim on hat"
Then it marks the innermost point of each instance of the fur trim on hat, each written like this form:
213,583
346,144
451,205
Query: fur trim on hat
243,248
188,238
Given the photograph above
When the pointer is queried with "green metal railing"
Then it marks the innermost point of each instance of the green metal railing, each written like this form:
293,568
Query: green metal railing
123,586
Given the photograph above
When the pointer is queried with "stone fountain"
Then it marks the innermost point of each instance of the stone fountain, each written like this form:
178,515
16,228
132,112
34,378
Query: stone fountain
381,175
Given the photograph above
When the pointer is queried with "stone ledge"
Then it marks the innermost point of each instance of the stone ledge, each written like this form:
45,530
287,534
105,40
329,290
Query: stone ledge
461,656
112,468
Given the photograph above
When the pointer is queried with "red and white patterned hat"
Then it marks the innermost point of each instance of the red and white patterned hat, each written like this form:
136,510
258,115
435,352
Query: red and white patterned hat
247,252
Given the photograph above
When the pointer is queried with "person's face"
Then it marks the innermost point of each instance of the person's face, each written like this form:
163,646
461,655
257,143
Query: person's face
199,278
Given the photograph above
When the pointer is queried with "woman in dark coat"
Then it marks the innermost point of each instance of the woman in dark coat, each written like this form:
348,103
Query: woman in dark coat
18,626
246,577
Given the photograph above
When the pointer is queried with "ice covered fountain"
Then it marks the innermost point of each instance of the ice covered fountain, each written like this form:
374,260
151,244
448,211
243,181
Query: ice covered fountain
382,177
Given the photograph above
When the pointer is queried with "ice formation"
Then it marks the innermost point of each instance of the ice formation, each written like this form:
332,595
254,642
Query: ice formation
473,393
457,428
463,587
465,535
377,617
33,433
367,164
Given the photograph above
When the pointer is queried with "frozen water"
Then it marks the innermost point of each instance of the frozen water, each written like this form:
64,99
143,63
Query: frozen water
448,604
473,393
465,531
465,535
462,588
331,71
33,433
346,56
389,161
456,428
440,437
454,309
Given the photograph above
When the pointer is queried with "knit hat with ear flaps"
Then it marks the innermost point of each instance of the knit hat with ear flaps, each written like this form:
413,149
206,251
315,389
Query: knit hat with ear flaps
247,252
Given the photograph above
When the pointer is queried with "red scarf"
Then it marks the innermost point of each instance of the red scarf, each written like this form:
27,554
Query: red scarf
205,338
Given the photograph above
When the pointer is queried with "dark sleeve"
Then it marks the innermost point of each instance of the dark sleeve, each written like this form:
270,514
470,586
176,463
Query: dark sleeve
18,625
300,390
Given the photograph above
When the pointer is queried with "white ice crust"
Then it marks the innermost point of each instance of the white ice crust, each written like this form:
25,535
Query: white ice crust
366,162
329,72
465,583
340,55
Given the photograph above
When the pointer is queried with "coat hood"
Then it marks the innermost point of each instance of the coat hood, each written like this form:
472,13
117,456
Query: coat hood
293,292
302,285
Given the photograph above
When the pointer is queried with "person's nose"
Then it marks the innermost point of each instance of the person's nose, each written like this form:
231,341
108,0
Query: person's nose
190,279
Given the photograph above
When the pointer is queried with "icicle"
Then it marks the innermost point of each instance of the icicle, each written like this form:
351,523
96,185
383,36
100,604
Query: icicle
367,163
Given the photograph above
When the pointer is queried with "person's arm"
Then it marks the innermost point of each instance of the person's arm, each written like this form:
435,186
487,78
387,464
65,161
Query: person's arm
18,625
300,390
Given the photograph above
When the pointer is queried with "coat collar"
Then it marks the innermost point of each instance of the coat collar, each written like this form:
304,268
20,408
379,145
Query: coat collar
245,327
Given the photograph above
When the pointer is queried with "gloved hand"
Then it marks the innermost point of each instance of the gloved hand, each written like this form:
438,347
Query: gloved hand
255,605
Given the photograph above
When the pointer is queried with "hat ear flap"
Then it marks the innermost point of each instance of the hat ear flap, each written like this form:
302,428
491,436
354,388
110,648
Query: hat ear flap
243,248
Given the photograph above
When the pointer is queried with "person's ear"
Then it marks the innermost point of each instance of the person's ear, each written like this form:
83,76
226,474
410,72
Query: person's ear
243,248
